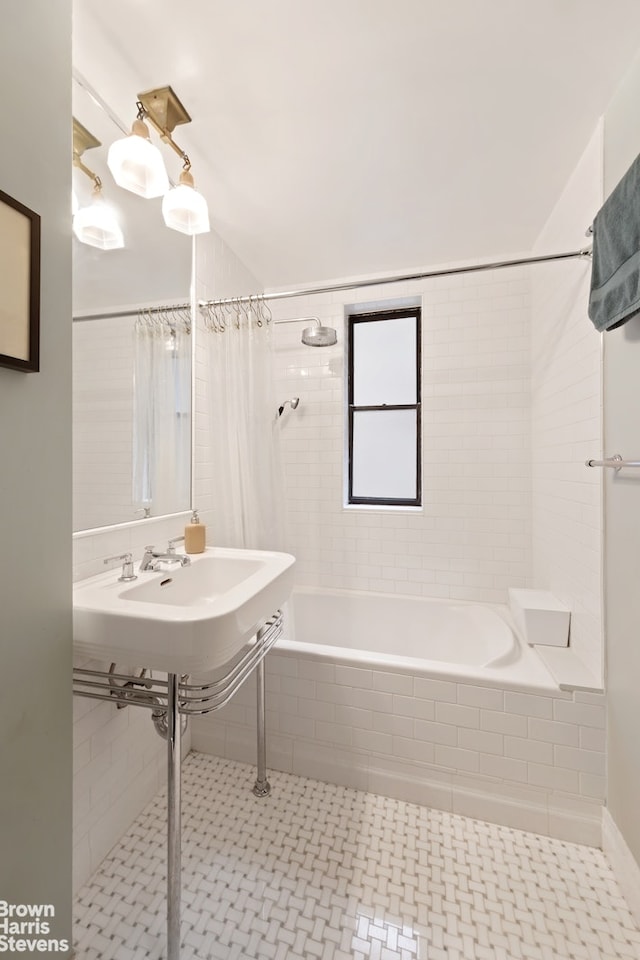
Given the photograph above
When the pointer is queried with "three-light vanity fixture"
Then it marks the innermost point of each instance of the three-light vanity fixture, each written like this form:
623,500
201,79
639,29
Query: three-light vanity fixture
137,165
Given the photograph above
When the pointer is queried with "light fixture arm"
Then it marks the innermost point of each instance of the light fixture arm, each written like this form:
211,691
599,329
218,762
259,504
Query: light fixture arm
84,140
77,162
164,111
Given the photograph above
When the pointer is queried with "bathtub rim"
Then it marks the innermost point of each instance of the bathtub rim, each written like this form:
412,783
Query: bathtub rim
543,684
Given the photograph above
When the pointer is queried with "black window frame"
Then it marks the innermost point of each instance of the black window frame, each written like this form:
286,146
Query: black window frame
382,315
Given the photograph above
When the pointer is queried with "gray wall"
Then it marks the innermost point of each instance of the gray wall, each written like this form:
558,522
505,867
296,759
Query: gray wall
622,506
35,478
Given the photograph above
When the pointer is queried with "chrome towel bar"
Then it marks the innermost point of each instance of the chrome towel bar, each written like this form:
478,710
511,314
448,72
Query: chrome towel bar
615,461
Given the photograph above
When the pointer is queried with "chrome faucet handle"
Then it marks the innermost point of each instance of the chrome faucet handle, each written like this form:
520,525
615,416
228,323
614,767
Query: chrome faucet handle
149,553
127,566
145,511
171,546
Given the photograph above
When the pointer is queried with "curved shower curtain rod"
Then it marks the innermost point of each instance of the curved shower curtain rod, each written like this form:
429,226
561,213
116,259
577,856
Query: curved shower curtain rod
583,254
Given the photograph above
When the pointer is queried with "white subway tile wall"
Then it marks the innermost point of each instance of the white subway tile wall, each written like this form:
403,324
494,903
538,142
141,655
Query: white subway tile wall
118,765
530,761
119,758
566,416
472,538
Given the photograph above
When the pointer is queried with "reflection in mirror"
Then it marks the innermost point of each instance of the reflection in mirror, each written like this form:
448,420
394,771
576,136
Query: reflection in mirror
132,351
161,413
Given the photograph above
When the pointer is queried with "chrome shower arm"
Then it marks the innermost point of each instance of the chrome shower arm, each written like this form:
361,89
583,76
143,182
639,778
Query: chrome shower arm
301,320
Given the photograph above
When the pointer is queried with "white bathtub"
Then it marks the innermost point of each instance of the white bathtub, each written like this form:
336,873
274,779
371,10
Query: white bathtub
452,639
430,701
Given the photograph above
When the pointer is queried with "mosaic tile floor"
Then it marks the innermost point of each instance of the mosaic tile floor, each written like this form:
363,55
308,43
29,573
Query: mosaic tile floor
319,872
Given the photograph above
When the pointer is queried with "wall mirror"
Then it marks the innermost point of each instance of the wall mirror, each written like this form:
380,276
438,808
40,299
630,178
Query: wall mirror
132,371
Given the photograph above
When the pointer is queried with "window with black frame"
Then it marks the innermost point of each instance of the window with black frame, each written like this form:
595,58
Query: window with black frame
384,408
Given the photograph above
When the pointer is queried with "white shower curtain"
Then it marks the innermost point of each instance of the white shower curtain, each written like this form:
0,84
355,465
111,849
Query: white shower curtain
248,496
162,417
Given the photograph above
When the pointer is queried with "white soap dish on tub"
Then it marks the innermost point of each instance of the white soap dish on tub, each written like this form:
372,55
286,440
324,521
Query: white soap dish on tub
540,617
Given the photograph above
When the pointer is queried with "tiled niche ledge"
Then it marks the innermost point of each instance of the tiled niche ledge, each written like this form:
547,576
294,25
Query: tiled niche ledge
534,762
568,670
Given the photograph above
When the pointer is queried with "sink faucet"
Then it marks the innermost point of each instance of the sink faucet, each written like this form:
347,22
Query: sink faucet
152,556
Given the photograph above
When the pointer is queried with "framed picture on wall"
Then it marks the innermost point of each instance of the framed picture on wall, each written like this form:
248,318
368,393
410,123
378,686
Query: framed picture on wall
19,285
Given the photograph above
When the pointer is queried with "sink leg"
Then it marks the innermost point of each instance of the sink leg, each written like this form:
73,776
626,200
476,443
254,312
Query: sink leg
261,787
174,866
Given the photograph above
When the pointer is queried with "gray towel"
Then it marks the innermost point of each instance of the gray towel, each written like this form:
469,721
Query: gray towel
615,274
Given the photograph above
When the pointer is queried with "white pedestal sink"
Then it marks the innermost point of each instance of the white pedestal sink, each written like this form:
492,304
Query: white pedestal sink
183,620
180,620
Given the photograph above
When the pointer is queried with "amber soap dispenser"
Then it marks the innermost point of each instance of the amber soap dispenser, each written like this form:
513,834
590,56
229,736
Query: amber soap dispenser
194,535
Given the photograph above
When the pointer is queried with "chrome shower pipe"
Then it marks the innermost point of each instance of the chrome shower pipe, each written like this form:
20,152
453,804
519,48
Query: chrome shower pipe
301,320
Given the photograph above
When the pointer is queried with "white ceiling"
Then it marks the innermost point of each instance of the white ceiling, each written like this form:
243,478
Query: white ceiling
342,137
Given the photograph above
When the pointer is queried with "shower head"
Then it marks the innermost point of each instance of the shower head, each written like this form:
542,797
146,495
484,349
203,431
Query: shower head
319,336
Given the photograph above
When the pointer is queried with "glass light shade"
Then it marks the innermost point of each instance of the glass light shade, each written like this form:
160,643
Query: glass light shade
137,165
75,206
184,209
96,225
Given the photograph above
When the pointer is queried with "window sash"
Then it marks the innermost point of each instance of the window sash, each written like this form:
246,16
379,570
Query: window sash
383,372
353,409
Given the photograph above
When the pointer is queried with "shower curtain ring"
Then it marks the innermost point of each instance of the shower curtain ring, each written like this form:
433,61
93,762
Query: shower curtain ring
228,313
267,316
254,306
245,312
